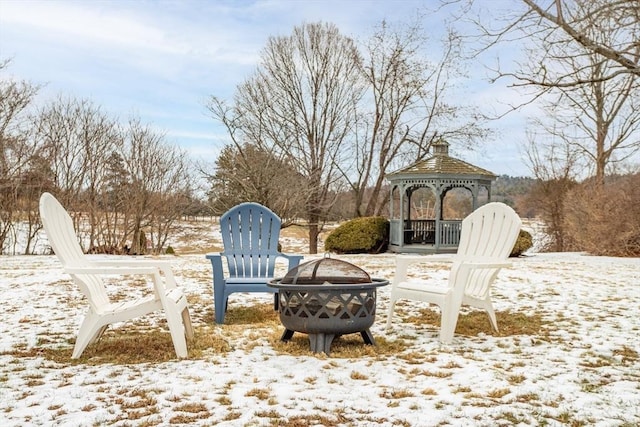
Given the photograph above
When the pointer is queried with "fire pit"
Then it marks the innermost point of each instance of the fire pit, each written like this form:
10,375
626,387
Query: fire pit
326,298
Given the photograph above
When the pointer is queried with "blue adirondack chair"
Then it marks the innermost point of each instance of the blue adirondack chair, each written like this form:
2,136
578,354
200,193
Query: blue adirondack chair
250,234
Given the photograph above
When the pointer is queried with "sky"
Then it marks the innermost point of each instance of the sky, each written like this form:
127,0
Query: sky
161,60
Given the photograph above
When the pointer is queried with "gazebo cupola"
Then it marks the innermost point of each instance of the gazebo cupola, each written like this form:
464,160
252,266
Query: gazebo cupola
430,232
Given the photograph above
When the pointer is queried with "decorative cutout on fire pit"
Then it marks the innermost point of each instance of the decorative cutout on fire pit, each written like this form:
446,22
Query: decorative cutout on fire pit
326,298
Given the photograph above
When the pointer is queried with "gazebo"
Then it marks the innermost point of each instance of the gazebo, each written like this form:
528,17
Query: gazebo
432,233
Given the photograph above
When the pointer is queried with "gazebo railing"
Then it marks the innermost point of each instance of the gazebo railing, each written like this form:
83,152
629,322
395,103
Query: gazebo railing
420,231
423,231
450,232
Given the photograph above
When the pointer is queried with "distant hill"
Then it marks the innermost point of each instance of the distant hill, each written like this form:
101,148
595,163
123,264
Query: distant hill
513,191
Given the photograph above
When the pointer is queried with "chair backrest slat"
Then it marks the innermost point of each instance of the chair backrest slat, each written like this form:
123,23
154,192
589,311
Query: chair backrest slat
250,234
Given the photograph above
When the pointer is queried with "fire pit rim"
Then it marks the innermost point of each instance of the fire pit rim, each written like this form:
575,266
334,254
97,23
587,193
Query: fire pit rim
375,282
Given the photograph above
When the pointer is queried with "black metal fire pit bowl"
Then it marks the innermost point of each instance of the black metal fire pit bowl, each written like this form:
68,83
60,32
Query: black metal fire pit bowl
326,298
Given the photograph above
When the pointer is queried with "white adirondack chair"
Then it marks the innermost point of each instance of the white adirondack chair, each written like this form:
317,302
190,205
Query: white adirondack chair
86,274
486,240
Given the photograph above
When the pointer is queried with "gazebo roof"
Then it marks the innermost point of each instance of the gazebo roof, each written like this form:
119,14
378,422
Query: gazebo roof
441,164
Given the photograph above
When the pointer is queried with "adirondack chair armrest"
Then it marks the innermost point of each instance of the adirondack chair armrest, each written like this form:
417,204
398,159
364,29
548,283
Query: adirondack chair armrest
131,263
216,265
294,260
404,261
115,270
163,266
159,286
476,265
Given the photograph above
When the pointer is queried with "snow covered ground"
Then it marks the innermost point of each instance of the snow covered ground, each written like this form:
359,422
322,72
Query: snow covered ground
583,369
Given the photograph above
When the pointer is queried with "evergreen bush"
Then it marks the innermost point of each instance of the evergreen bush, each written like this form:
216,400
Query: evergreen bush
360,235
523,243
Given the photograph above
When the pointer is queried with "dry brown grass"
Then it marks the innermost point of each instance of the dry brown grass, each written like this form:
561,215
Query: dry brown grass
265,322
257,314
477,322
133,346
346,346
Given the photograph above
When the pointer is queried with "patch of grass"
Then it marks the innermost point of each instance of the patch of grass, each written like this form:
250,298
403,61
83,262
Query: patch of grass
396,393
476,322
345,346
498,393
259,393
355,375
224,400
436,374
417,358
192,408
512,418
132,346
516,379
268,414
591,359
627,354
255,314
313,420
232,415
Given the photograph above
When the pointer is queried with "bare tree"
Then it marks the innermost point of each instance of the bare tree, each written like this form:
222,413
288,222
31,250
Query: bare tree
78,136
583,21
582,62
247,173
598,120
301,105
410,96
158,178
17,153
580,28
555,164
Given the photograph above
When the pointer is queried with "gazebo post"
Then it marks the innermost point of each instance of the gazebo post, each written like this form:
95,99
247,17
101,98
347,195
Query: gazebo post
439,215
407,220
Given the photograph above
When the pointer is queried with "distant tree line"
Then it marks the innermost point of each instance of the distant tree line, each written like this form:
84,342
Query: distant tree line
122,183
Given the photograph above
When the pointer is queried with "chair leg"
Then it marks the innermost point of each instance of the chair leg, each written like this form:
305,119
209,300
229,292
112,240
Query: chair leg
186,321
220,303
492,318
392,304
91,329
177,329
448,322
487,306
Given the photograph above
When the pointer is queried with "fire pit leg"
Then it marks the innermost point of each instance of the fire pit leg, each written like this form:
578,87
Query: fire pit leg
321,342
287,335
367,337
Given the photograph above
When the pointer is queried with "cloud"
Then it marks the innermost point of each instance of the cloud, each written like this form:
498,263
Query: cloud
89,23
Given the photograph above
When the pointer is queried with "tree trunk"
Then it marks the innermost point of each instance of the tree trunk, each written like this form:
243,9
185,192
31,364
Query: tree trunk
314,231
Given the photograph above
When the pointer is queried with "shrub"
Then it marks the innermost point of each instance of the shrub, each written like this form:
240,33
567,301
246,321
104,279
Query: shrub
605,220
523,243
360,235
170,250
